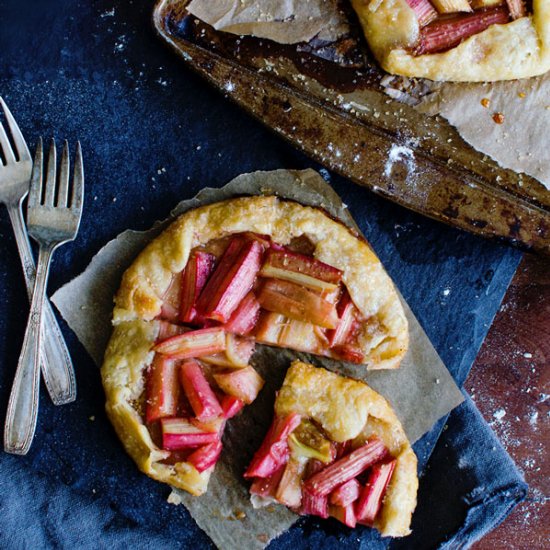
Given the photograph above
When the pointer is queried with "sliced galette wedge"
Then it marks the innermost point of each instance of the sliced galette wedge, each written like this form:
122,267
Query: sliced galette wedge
199,298
335,448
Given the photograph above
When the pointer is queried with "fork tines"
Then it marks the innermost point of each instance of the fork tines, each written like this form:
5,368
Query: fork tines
49,193
21,149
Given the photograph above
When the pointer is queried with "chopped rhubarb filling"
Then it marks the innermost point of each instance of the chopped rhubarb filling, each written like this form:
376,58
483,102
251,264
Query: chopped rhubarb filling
245,317
348,323
274,451
448,32
195,343
452,6
517,8
162,390
232,280
297,302
300,269
245,384
231,406
196,273
344,514
314,505
180,433
289,491
372,495
346,468
203,400
206,456
232,293
345,494
167,330
424,11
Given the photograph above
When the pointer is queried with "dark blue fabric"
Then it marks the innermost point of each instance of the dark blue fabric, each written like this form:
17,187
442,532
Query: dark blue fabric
153,134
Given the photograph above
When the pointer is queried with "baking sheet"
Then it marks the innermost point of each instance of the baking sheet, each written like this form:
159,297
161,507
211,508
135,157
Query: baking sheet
519,143
421,391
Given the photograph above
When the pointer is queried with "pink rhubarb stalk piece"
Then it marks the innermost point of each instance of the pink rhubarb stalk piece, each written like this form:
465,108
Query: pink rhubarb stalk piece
346,493
269,327
289,491
239,350
314,505
346,468
267,486
195,343
167,330
231,406
179,433
297,302
231,281
202,399
171,300
347,321
196,273
245,317
344,514
517,8
447,33
452,6
205,457
372,495
274,452
303,270
245,383
424,11
162,389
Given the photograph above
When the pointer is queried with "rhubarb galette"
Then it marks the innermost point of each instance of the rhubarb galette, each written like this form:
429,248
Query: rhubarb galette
335,448
195,302
460,40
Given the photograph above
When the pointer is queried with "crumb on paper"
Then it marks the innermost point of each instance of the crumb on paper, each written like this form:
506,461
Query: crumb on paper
485,102
174,498
498,118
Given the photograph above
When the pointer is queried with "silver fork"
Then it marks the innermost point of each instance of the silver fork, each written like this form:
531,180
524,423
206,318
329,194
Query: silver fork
53,218
15,176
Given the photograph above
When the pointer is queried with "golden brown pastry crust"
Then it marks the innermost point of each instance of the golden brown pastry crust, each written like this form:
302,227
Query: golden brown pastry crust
349,409
139,301
519,49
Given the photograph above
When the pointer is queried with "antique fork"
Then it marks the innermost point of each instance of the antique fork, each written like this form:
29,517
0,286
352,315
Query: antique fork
15,175
53,218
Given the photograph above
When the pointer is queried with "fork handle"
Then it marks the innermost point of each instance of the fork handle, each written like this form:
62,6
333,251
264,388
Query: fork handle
23,404
57,368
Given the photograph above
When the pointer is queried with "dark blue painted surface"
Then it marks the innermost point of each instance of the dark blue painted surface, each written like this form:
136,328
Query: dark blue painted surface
152,134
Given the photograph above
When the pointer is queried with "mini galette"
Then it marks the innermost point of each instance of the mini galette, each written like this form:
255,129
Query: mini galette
198,298
458,40
335,448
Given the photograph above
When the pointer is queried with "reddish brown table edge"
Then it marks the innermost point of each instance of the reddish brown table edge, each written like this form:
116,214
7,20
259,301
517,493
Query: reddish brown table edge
509,383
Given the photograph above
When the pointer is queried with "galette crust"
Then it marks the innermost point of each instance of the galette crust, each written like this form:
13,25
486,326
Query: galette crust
519,49
139,301
146,281
349,409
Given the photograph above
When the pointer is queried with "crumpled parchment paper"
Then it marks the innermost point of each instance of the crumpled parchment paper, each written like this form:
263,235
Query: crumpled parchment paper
522,141
283,21
421,391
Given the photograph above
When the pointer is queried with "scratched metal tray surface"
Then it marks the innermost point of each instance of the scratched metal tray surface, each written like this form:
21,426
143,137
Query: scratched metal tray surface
328,101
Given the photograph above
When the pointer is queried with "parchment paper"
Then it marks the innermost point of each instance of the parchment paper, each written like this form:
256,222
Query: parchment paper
421,391
283,21
522,141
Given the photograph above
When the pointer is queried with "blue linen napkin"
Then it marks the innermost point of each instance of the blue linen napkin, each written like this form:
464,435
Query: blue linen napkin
469,486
